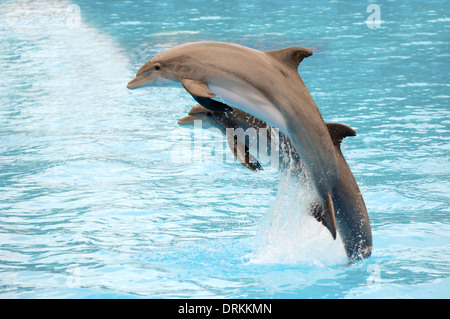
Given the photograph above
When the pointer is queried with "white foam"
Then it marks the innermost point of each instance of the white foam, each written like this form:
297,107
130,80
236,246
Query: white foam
55,49
289,234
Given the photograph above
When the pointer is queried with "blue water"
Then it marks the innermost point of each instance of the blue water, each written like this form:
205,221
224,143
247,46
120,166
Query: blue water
96,203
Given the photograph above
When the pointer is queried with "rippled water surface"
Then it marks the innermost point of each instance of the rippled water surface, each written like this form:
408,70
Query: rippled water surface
95,201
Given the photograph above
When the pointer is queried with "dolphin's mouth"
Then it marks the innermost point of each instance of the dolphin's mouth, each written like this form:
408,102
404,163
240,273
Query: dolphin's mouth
137,82
188,119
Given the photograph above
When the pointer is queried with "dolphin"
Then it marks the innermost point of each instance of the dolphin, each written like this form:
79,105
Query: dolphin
351,214
352,218
230,122
266,85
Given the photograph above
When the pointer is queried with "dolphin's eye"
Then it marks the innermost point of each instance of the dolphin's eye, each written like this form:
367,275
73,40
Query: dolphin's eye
157,67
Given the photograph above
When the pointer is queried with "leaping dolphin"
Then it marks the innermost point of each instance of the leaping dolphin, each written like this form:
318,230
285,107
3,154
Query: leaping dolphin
351,214
266,85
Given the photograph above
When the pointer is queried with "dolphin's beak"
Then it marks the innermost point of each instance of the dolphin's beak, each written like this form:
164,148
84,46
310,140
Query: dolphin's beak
137,82
188,119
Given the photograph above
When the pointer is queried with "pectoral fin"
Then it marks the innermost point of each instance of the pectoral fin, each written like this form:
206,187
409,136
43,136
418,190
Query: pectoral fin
326,215
242,153
197,88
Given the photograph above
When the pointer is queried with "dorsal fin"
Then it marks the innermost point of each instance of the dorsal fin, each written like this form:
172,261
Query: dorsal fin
338,132
291,56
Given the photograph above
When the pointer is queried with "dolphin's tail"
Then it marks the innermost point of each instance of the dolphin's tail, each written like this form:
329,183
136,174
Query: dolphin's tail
325,214
353,223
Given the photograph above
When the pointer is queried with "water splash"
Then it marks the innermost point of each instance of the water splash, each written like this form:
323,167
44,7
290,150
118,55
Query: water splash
289,234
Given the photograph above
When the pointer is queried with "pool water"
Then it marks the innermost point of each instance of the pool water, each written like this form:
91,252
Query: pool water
103,195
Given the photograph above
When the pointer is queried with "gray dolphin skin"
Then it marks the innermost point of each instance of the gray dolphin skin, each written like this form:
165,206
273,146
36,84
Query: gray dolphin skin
351,214
266,85
352,218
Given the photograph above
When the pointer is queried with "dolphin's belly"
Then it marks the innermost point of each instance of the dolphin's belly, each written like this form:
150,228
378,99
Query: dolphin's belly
250,100
311,141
